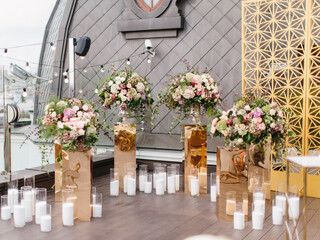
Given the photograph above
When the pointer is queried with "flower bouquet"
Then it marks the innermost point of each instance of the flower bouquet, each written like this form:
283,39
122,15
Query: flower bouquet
72,122
252,120
128,90
190,91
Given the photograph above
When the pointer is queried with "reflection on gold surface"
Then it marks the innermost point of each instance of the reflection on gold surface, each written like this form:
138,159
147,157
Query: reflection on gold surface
124,149
75,171
195,137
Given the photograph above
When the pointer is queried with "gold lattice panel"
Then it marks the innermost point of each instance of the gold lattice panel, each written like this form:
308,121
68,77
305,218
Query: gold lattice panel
281,58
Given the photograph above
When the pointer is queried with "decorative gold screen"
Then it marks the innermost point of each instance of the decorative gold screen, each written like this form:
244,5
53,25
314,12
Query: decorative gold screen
281,59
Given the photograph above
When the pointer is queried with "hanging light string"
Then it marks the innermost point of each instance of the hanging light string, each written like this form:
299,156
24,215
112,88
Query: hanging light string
31,45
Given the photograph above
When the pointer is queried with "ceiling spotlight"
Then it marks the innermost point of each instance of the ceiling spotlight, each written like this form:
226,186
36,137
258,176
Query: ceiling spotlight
128,61
5,52
24,94
101,68
52,46
27,67
96,90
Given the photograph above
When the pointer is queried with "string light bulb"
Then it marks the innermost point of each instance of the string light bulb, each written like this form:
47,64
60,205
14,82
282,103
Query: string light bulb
96,90
24,94
101,68
85,70
50,81
52,46
80,91
128,62
27,67
66,80
65,73
149,60
81,57
5,52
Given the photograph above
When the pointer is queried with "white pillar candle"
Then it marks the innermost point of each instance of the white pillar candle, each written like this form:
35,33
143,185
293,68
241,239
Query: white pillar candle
33,194
142,180
125,184
45,223
177,182
159,186
114,188
67,214
164,176
12,198
96,210
147,187
27,208
230,206
258,196
257,220
238,220
294,207
40,210
5,213
281,203
171,184
277,215
131,186
19,216
259,206
213,193
154,180
194,186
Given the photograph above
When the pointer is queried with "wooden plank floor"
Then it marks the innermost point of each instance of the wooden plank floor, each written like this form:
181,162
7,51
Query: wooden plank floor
147,216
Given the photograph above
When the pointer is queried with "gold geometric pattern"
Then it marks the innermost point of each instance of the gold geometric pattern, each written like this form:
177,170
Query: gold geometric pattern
281,59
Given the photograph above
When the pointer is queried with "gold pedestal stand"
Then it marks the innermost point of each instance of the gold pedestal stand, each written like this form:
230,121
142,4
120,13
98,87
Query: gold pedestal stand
195,153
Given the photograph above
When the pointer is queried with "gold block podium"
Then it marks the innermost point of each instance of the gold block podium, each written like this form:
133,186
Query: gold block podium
195,155
124,149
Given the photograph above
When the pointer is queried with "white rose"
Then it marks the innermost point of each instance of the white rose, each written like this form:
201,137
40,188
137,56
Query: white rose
189,76
214,89
140,87
254,121
209,87
272,112
114,89
118,82
123,98
80,114
240,141
272,125
122,79
60,124
247,107
117,102
110,83
91,130
203,96
204,80
137,96
85,107
53,114
75,108
188,94
61,104
198,78
81,132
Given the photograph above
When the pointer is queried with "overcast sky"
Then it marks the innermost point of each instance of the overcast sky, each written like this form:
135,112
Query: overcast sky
23,22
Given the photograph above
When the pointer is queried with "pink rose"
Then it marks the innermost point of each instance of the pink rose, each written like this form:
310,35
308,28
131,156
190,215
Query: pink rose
245,118
259,120
124,92
198,86
193,81
198,93
122,85
79,124
73,119
262,127
214,122
190,87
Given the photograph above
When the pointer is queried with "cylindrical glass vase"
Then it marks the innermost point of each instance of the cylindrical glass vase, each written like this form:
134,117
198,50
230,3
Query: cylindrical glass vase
114,182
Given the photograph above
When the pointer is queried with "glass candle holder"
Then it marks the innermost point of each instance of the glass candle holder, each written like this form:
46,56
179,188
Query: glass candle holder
5,208
28,196
143,174
68,207
258,194
97,206
294,202
114,182
259,200
19,211
45,221
41,202
238,217
245,203
177,166
155,165
12,186
280,198
29,180
164,176
160,178
148,184
213,187
277,214
131,181
257,217
194,182
171,180
252,180
230,202
266,184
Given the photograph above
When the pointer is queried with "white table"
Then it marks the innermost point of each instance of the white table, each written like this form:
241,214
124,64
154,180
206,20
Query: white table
305,162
